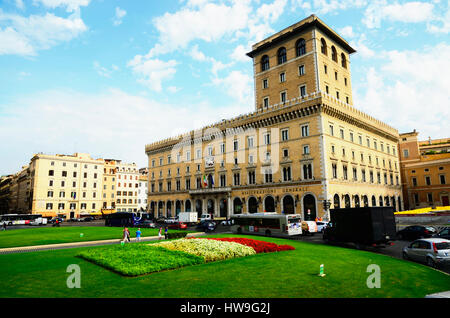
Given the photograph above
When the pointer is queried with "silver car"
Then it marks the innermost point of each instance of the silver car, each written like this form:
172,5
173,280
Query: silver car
432,251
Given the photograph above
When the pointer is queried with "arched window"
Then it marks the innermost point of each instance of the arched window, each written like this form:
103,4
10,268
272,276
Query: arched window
344,60
300,47
282,55
323,46
336,200
333,53
265,63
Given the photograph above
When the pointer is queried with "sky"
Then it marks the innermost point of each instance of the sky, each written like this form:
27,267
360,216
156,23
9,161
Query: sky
107,77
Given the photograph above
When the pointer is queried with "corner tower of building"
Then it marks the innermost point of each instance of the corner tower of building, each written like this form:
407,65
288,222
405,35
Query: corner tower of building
307,57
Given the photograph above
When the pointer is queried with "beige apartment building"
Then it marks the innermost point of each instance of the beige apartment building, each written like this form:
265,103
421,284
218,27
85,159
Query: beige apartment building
69,185
425,168
127,175
305,148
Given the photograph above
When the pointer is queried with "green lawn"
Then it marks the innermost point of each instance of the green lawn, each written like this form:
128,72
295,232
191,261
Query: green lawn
274,275
66,234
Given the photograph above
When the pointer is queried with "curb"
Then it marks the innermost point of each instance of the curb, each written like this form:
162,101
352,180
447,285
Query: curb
37,248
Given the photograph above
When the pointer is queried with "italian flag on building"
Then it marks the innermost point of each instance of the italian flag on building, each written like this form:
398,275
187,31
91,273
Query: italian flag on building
205,181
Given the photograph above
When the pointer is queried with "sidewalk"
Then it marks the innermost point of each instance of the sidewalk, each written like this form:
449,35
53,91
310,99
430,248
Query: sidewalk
36,248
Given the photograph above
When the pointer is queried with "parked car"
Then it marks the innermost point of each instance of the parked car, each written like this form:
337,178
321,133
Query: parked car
207,226
87,219
444,233
414,232
177,226
205,217
321,226
74,220
171,220
147,224
227,222
160,219
53,220
432,251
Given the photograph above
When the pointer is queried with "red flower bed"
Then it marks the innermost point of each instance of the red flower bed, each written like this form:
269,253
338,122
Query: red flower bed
258,246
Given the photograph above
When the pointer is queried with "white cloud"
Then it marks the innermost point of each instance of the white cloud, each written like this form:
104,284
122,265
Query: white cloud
103,71
239,53
408,91
410,12
152,72
347,32
237,85
324,7
177,30
120,13
70,5
26,36
20,4
111,124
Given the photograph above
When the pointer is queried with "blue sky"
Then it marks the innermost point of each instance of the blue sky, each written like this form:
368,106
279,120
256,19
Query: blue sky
106,77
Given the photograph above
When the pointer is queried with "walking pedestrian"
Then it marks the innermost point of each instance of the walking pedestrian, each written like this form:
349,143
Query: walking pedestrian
126,235
166,233
138,235
4,226
159,234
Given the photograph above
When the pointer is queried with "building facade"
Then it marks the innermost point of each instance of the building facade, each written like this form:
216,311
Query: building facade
425,169
70,186
127,187
304,148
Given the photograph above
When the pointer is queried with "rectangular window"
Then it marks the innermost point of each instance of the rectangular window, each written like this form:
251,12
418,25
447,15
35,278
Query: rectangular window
236,145
428,180
442,178
283,97
331,130
306,150
342,133
265,83
266,102
285,135
267,139
305,130
301,70
303,90
282,77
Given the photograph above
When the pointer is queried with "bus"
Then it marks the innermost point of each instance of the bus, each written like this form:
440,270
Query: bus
123,219
268,224
22,219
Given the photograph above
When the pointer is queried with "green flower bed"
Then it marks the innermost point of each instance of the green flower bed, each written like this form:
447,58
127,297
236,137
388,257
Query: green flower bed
210,250
139,259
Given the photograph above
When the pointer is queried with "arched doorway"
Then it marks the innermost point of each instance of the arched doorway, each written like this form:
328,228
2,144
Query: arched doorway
337,202
347,201
309,208
269,204
210,206
223,207
380,199
198,207
252,205
386,201
393,204
399,201
169,209
152,207
356,201
288,205
188,206
374,201
237,206
160,208
365,201
177,207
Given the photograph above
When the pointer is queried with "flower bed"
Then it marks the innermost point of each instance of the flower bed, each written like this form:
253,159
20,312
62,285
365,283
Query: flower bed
139,259
258,246
210,250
